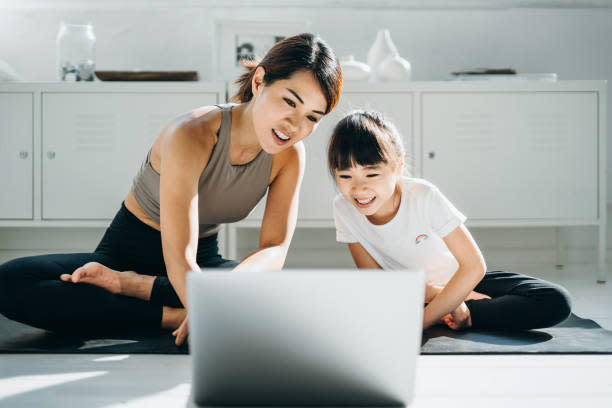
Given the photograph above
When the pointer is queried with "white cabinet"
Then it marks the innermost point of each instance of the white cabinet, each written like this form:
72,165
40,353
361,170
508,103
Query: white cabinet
514,155
507,154
16,142
94,143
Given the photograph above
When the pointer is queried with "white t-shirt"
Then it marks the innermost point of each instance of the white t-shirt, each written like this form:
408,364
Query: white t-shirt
413,238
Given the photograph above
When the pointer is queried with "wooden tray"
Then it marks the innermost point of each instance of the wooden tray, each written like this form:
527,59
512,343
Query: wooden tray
147,75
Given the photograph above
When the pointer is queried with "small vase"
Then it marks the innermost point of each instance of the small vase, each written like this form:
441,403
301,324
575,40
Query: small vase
383,47
394,68
354,70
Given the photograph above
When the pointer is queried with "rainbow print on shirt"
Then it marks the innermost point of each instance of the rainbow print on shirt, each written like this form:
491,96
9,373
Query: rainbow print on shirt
420,239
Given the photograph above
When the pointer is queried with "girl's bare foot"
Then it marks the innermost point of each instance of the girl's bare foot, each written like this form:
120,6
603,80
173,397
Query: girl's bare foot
97,274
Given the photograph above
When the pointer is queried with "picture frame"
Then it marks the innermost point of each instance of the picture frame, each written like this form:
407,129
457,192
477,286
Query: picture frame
236,39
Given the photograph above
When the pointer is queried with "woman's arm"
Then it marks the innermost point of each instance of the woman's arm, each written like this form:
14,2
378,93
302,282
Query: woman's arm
471,270
185,153
280,216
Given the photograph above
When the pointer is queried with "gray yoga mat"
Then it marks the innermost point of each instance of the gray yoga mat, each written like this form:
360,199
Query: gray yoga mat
573,336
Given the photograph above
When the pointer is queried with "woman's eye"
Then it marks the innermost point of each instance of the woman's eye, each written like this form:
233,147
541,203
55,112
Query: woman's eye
312,119
289,102
344,176
372,175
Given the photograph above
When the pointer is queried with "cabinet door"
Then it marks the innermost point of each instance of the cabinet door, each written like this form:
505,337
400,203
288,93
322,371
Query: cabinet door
16,140
318,187
530,156
93,145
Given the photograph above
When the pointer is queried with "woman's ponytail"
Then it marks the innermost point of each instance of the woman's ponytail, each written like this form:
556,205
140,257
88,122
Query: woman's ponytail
245,81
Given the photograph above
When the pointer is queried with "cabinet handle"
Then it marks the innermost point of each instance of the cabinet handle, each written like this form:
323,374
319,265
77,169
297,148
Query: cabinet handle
23,154
51,155
431,155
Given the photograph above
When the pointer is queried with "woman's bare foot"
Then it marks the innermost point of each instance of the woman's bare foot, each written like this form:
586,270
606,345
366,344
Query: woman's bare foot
172,317
97,274
127,283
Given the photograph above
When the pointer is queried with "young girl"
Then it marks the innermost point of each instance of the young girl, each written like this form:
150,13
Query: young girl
391,221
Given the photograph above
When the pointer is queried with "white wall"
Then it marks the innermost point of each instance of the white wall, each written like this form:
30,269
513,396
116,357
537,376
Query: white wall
574,43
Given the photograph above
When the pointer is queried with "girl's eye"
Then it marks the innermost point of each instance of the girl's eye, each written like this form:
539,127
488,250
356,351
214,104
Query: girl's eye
372,175
344,176
312,119
289,102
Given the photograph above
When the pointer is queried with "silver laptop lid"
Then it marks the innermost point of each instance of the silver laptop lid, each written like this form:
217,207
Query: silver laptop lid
305,337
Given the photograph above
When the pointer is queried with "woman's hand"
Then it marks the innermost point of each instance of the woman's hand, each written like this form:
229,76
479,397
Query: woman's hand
181,333
459,318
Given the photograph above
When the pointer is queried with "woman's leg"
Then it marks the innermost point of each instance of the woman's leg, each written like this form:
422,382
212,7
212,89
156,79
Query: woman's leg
518,302
31,292
151,282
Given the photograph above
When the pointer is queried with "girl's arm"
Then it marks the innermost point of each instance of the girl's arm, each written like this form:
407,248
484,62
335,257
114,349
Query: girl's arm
471,270
363,260
280,216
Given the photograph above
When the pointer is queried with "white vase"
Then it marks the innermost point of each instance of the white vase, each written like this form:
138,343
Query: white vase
394,68
383,47
354,70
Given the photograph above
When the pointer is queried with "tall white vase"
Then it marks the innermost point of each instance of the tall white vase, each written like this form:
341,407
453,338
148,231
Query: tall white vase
382,48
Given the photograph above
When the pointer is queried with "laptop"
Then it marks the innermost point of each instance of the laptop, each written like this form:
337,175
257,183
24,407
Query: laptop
304,337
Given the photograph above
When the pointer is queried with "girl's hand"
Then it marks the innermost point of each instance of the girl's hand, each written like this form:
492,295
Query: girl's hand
477,296
459,318
431,291
181,333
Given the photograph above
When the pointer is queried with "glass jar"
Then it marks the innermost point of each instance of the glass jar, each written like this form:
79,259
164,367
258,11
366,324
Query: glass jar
76,49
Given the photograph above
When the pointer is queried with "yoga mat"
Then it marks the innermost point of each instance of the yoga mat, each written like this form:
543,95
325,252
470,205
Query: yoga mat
573,336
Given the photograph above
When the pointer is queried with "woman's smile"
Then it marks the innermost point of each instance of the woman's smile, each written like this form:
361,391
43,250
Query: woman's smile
280,137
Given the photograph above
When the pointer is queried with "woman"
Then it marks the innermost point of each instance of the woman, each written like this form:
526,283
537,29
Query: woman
207,167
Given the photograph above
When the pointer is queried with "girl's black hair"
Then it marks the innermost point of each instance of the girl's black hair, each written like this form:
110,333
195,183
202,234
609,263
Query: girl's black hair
363,138
302,52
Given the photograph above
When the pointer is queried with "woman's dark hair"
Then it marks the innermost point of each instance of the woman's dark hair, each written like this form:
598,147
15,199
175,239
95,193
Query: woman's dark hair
364,138
302,52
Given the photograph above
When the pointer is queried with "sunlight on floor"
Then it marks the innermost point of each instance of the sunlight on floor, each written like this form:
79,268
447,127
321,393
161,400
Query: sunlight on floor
25,383
164,398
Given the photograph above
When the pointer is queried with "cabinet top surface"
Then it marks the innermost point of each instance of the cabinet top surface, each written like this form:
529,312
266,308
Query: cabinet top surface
349,86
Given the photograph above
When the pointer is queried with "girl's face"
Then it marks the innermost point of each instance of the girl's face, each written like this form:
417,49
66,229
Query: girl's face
370,188
286,111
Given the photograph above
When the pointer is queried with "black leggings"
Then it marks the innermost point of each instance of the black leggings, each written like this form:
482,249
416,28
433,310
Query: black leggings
32,293
518,302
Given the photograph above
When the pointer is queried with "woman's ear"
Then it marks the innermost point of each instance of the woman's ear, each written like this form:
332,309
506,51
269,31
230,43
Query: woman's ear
257,82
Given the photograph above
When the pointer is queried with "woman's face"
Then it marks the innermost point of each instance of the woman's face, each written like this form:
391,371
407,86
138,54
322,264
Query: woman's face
286,111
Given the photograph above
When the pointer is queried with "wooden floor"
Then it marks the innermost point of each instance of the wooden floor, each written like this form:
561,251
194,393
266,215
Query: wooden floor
44,380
